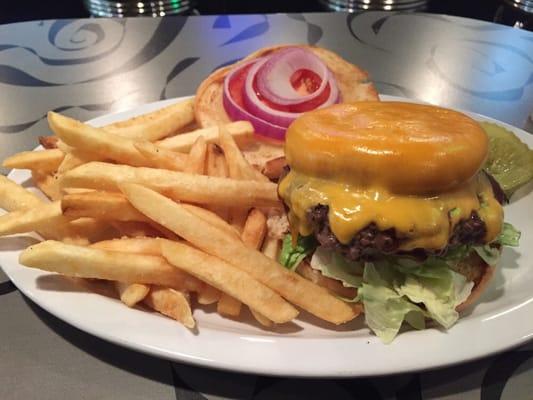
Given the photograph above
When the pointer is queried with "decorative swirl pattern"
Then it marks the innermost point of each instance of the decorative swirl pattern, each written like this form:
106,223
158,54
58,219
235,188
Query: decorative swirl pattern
461,60
89,67
78,37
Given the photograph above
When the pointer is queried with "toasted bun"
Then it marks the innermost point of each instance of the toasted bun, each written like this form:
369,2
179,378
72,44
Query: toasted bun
481,284
352,81
404,147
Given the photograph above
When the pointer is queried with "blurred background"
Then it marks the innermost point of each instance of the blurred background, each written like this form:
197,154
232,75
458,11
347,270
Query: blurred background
516,13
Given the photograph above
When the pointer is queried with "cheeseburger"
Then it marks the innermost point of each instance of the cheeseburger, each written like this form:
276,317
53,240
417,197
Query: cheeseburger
388,207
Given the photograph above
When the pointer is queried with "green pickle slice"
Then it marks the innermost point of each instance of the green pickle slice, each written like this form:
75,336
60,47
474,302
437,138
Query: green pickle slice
510,161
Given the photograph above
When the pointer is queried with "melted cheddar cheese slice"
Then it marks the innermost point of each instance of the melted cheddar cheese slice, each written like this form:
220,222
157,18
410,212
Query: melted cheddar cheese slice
420,221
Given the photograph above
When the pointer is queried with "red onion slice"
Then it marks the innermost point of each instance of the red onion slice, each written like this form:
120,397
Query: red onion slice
236,113
268,121
282,118
274,77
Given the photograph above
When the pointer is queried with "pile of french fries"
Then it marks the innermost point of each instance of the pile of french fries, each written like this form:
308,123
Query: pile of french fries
165,215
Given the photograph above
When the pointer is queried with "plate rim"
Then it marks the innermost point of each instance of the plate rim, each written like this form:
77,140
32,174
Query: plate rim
255,368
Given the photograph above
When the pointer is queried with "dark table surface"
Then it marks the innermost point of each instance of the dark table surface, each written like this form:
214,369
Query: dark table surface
86,68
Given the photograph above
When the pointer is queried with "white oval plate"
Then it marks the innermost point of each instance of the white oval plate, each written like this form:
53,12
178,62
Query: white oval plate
500,320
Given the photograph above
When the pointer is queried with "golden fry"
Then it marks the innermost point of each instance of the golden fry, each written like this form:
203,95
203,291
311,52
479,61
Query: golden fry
196,160
240,130
48,184
261,318
44,161
95,140
14,197
157,124
216,166
271,247
207,294
229,306
101,205
213,241
88,262
252,236
212,219
238,167
255,229
136,229
160,157
48,142
177,185
131,293
172,303
138,245
229,279
34,219
70,161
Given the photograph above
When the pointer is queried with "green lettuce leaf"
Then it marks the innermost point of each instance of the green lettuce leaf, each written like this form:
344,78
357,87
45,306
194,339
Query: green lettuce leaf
509,236
385,308
394,290
333,265
439,294
290,256
489,254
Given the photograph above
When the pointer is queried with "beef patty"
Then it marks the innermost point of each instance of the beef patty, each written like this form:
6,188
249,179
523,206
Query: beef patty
371,242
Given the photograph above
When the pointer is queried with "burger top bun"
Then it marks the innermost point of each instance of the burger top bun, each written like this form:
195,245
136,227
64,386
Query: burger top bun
352,81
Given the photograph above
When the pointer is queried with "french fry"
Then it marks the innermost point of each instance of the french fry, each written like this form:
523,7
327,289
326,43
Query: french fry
293,287
162,158
271,247
87,262
240,130
71,161
138,245
157,124
95,140
274,168
14,197
261,318
229,306
216,166
196,160
208,294
65,148
48,142
172,303
44,161
177,185
135,229
213,219
152,246
230,280
253,235
101,205
131,293
238,167
115,206
29,220
255,229
48,184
